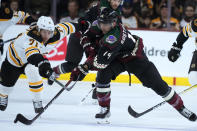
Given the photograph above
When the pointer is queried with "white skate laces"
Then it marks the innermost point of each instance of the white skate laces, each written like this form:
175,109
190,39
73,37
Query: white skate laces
38,106
3,100
188,114
103,110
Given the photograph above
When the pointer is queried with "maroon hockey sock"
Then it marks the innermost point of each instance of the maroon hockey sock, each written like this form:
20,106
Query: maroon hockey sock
104,99
176,101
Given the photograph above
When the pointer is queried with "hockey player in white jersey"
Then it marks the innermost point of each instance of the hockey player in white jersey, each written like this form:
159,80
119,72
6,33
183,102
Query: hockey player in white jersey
190,30
25,55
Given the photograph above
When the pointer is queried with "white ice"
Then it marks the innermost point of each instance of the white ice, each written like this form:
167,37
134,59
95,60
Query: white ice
66,113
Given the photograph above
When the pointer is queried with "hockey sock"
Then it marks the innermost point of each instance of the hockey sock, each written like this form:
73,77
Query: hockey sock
103,93
5,91
173,99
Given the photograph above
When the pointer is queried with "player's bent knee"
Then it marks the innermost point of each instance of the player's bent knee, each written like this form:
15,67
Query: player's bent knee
32,73
34,78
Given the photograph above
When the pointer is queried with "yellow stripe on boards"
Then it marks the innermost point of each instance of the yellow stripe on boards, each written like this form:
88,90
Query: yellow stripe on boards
124,78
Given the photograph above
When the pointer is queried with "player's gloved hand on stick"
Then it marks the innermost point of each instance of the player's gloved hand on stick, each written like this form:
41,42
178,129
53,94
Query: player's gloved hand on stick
81,71
45,69
56,73
174,52
1,46
84,25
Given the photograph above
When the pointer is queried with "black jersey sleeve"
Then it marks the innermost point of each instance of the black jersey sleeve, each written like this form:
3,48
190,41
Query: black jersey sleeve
187,32
181,39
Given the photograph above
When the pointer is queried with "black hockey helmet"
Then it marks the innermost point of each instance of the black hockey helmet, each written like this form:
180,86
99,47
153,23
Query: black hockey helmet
107,16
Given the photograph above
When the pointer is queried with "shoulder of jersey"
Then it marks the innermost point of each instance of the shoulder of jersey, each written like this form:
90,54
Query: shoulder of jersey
112,37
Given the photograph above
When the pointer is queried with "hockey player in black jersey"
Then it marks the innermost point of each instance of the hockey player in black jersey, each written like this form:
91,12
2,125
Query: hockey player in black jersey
72,58
190,30
120,51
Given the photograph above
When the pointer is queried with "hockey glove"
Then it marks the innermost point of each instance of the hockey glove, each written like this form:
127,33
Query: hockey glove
84,25
81,71
45,69
1,46
174,52
56,73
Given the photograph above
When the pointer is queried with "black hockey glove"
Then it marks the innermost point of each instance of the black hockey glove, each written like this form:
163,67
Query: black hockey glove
84,25
45,69
81,71
174,52
1,46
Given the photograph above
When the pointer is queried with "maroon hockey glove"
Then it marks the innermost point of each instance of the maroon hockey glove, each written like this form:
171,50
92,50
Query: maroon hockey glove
81,71
84,25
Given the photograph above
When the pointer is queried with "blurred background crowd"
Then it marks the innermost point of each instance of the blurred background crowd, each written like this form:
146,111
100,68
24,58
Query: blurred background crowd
143,14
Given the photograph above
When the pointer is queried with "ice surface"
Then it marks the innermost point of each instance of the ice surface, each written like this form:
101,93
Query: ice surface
66,113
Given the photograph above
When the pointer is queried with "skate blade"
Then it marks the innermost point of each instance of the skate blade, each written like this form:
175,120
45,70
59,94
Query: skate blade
103,121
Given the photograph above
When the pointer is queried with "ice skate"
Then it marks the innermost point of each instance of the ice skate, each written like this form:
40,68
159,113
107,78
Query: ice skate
103,116
188,114
38,106
3,102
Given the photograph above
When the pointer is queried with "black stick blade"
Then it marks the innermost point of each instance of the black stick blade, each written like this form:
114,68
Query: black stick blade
132,112
22,119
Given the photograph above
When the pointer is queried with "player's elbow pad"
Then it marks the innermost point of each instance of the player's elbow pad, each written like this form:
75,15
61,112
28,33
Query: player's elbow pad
35,59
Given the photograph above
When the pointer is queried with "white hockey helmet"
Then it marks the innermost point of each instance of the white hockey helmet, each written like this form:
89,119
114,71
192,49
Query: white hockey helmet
46,23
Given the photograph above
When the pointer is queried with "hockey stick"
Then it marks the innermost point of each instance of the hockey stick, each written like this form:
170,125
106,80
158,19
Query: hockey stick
136,115
7,41
87,94
26,121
